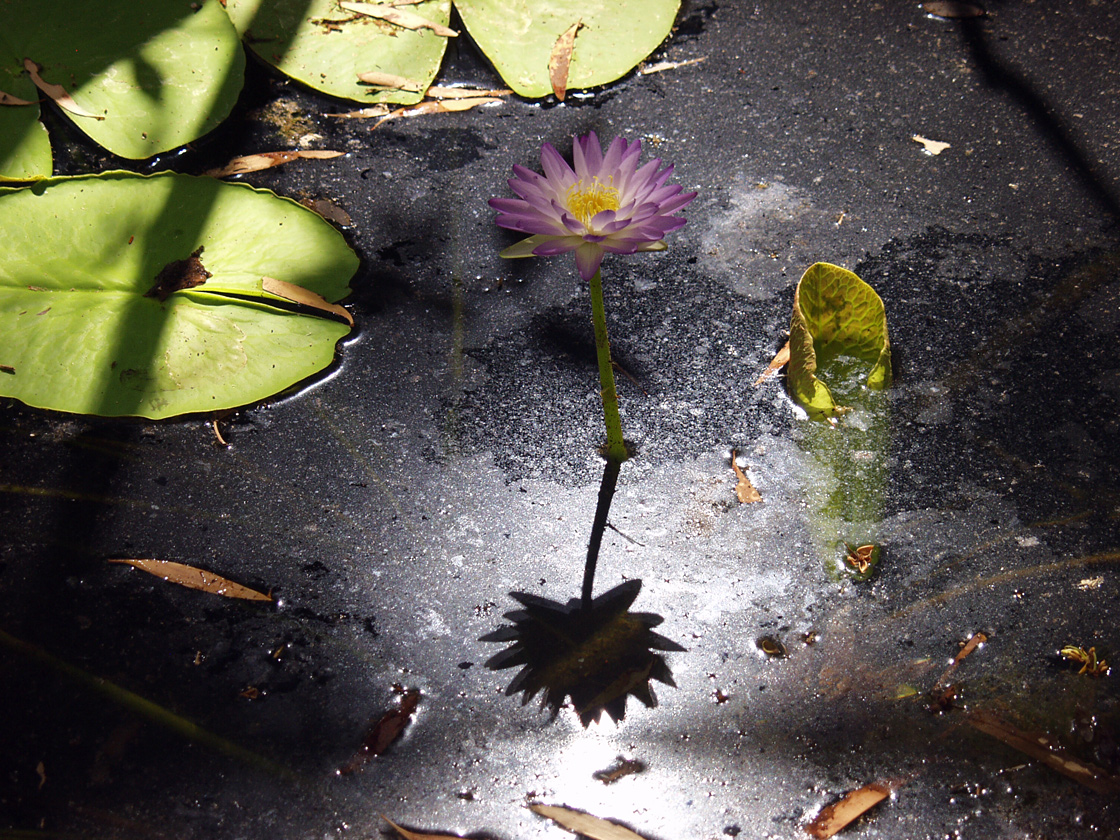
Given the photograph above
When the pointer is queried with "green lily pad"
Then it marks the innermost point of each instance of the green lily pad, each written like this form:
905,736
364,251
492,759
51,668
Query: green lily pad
25,149
518,36
158,74
834,314
326,47
90,330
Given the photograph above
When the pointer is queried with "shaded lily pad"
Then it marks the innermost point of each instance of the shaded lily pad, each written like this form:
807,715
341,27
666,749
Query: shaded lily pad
325,47
518,36
156,75
834,314
129,295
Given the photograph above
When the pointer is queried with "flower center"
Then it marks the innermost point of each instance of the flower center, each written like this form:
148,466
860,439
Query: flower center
584,200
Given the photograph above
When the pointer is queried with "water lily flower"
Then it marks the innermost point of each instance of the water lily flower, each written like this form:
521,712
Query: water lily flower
603,202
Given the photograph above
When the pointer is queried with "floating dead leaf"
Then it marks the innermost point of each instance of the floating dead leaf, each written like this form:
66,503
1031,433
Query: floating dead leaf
8,99
834,817
56,92
744,489
433,107
953,9
930,147
267,160
861,557
443,92
1087,659
416,835
10,369
362,113
328,210
390,81
777,363
585,824
306,297
944,693
178,275
194,578
384,732
1041,746
398,17
622,768
560,61
662,66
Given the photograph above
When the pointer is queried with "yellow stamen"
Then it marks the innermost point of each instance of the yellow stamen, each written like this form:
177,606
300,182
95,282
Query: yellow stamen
585,200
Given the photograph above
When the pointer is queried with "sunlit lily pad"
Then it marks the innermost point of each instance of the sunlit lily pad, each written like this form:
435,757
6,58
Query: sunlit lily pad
834,314
155,75
325,46
106,306
518,36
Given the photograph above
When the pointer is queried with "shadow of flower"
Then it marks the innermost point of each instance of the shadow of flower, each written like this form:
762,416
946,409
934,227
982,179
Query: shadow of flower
598,656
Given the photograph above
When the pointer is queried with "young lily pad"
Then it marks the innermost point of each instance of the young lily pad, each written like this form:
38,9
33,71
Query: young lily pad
153,76
518,36
834,314
122,294
325,47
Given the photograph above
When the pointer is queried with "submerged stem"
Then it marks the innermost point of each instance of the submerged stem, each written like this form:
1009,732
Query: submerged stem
616,447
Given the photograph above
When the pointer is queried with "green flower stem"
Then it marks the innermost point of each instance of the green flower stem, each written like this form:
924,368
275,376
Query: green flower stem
616,447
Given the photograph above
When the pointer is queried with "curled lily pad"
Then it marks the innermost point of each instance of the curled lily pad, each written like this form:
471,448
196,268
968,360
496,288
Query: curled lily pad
326,46
129,295
520,37
144,77
834,314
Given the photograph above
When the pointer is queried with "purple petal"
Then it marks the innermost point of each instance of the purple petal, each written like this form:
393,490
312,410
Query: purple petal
588,258
613,158
589,149
557,246
556,169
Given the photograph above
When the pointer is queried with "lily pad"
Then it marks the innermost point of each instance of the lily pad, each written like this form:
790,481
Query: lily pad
518,36
154,75
834,314
122,294
325,47
25,149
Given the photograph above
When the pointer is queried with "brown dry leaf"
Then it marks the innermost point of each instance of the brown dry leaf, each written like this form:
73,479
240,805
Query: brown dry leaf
662,66
1041,746
441,92
390,81
57,92
834,817
561,60
398,17
8,99
953,9
194,578
744,489
328,210
433,107
416,835
267,160
362,113
776,364
298,294
384,732
585,824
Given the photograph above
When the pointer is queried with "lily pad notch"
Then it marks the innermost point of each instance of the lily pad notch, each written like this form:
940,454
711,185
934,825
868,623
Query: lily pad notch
835,314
